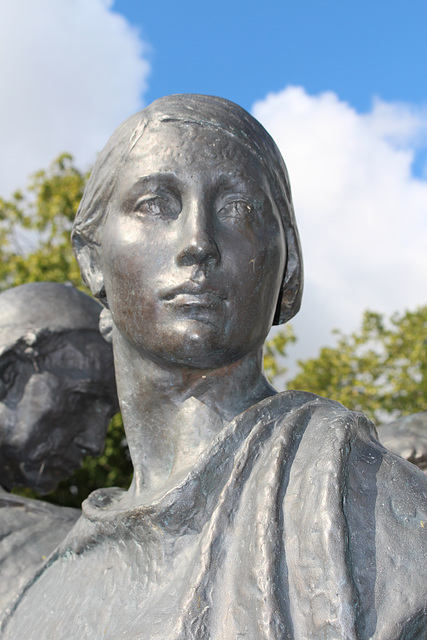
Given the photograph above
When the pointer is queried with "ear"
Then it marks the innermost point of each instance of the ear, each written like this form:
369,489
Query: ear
106,325
87,256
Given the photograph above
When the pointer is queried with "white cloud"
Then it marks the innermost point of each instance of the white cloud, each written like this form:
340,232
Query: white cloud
70,71
361,213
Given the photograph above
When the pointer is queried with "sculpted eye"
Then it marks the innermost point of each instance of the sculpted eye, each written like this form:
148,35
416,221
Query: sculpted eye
236,210
158,207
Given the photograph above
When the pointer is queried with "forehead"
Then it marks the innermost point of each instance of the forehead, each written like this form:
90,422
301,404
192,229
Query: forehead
187,149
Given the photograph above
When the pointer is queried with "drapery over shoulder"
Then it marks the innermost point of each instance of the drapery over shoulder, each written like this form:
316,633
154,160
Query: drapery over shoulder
296,523
29,531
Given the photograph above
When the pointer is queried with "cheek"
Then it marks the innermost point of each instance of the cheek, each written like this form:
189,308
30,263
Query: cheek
7,423
258,268
123,267
259,291
132,258
26,405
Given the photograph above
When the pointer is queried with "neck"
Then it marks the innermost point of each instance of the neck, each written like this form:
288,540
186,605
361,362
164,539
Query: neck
171,414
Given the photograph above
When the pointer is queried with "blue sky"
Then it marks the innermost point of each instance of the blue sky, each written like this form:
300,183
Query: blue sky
340,84
245,49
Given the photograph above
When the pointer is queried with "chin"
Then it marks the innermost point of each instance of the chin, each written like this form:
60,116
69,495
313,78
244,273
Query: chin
195,343
201,349
48,484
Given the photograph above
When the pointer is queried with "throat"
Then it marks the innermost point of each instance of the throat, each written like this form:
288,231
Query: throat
171,447
201,425
172,415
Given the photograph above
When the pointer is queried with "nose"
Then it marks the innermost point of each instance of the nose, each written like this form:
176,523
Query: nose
198,243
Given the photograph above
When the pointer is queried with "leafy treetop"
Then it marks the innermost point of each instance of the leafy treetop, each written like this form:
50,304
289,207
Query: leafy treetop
380,369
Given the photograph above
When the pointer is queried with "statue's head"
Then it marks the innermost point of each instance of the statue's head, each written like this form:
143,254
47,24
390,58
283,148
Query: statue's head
186,232
57,388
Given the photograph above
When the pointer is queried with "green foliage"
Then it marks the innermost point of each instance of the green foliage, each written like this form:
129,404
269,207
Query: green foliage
275,350
380,369
35,227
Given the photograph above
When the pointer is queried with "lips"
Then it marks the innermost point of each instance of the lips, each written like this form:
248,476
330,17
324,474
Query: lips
193,294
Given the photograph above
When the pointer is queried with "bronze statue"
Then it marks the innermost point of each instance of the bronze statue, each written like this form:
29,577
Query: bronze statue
251,514
407,436
57,394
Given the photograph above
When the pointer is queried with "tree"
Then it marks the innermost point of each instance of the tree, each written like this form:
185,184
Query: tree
380,370
35,227
275,352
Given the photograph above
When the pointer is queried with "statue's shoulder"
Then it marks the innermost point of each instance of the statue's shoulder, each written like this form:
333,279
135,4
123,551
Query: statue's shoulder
319,415
385,507
319,418
15,506
29,531
295,399
344,445
341,481
33,524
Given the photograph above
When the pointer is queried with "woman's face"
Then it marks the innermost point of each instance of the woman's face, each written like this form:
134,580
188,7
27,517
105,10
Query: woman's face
193,250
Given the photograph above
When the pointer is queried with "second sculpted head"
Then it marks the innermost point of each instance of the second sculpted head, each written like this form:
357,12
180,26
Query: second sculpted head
57,388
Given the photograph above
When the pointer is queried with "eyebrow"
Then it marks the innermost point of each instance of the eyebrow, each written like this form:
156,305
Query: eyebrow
171,180
237,179
154,178
150,181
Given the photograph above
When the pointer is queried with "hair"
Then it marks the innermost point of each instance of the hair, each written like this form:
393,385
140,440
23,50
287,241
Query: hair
208,112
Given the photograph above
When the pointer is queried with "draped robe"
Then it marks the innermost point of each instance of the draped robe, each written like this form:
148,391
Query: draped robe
294,524
29,531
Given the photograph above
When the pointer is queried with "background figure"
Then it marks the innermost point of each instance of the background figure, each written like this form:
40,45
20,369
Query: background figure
408,438
57,395
57,389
